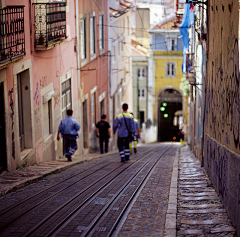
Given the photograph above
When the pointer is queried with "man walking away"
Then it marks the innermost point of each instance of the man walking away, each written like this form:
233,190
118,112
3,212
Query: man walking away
125,125
103,128
134,139
69,128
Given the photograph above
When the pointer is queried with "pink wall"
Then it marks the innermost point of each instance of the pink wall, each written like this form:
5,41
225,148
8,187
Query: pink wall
47,66
99,76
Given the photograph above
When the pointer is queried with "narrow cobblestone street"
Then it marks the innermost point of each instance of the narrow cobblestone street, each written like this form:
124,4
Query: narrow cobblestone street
164,206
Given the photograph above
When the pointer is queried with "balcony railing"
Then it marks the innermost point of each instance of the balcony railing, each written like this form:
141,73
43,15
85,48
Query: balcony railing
50,24
190,72
12,39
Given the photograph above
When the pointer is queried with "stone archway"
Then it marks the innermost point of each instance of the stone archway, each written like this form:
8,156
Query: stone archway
169,101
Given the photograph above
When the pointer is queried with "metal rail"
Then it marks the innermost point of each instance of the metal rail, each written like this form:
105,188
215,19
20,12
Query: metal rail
44,190
17,206
38,195
92,228
82,203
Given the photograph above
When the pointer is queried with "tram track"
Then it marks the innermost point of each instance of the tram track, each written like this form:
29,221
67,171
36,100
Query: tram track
20,206
22,203
94,224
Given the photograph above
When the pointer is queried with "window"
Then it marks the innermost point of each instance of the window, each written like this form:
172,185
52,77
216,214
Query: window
24,110
171,44
66,97
170,70
102,101
83,39
47,118
101,33
92,35
141,93
102,107
93,109
141,73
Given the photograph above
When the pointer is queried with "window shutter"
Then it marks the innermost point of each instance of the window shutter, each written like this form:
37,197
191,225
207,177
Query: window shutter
94,36
91,35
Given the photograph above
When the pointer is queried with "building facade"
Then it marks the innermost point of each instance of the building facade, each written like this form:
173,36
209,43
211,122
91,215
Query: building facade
38,79
119,45
167,102
222,124
214,98
140,82
93,61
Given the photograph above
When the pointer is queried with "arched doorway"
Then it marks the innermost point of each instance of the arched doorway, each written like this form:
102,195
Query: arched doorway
169,115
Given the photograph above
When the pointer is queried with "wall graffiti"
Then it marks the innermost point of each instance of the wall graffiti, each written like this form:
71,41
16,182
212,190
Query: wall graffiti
43,81
217,166
222,128
223,95
10,93
223,175
227,139
37,95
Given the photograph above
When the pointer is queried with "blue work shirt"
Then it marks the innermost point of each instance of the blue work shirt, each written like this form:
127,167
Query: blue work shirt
69,126
119,123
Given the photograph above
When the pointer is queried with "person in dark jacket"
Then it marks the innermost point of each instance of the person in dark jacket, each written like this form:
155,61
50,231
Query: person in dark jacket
69,128
125,125
103,131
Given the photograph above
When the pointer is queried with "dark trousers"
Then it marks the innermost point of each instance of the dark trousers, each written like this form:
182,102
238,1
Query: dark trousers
70,144
123,147
105,140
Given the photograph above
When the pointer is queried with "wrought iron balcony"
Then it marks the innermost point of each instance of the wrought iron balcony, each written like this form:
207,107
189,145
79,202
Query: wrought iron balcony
50,24
12,39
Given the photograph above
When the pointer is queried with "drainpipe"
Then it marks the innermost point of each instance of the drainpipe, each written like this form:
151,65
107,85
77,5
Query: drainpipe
147,98
78,75
138,113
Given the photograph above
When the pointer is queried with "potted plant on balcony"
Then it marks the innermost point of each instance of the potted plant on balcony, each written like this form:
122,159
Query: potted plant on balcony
41,39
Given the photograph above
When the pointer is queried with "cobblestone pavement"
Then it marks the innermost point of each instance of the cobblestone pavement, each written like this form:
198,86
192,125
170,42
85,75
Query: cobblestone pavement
12,180
200,212
148,214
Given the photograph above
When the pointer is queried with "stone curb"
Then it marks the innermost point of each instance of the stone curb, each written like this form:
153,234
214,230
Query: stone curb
171,216
24,182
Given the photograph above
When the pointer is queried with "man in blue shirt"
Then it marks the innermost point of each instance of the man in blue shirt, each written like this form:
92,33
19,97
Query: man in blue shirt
125,125
69,128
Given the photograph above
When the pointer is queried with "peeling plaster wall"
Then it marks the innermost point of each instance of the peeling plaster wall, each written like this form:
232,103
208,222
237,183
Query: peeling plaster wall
222,125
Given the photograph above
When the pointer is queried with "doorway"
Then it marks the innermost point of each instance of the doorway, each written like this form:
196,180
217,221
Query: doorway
141,114
66,102
24,110
85,124
3,159
169,102
102,107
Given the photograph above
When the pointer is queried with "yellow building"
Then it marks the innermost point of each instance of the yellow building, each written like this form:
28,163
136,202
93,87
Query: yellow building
165,69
